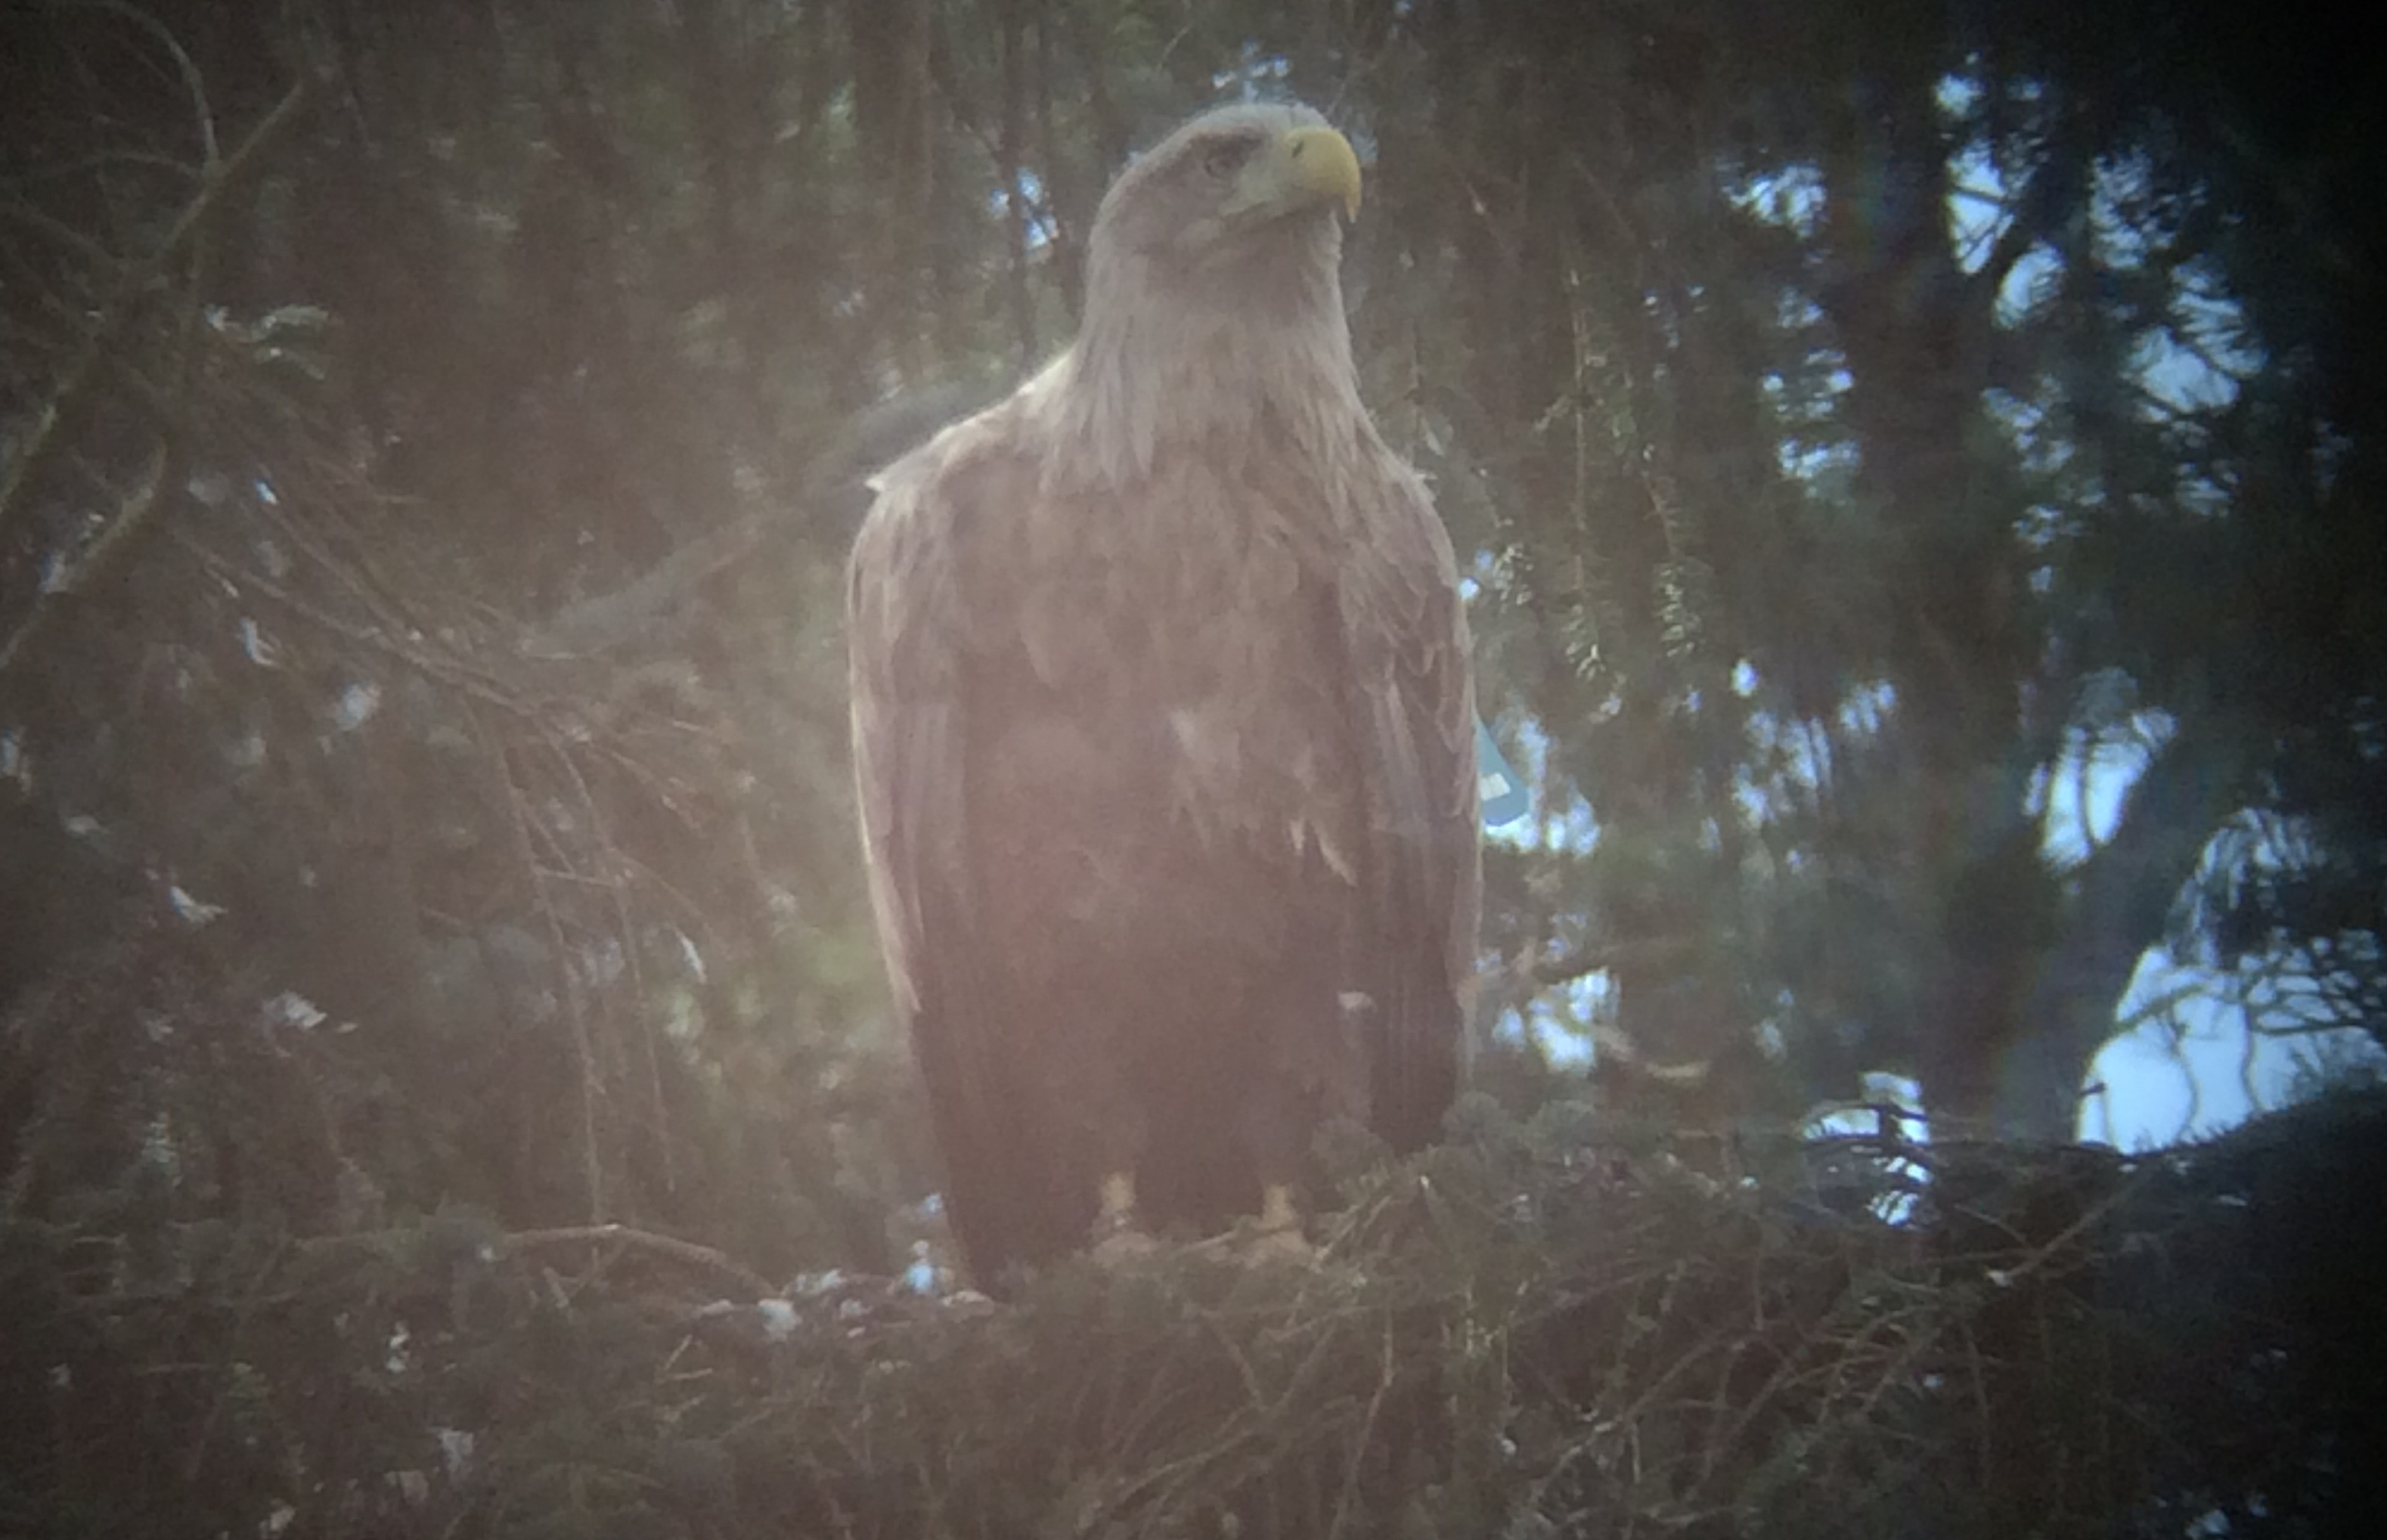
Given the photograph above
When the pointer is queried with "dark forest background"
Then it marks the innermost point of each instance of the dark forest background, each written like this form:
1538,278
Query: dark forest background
430,436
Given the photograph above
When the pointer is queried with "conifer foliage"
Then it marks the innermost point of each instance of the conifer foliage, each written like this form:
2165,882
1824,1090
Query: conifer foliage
1918,472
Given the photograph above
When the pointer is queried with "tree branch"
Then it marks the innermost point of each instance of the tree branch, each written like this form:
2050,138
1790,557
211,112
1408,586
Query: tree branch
77,388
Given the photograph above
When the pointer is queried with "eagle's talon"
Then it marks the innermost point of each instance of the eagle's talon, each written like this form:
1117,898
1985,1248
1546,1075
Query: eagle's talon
1118,1239
1252,1244
1264,1244
1274,1234
1121,1245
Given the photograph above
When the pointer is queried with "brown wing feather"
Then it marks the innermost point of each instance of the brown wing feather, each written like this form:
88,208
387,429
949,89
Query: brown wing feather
908,628
1405,635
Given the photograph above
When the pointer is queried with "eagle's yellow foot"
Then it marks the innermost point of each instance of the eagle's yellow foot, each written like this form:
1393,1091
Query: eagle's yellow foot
1277,1237
1261,1245
1121,1247
1117,1239
1274,1236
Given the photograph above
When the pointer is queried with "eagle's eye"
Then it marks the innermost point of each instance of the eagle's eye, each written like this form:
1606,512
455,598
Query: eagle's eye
1224,157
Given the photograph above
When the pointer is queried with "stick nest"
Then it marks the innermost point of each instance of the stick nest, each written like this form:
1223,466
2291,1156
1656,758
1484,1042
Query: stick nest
1540,1328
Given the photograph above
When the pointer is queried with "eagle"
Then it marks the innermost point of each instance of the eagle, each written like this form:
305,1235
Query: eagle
1164,735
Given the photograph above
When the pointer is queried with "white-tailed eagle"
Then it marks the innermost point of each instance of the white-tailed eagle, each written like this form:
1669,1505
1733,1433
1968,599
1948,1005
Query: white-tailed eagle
1164,735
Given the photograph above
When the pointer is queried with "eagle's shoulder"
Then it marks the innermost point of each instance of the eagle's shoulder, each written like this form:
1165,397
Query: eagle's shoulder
1004,440
930,507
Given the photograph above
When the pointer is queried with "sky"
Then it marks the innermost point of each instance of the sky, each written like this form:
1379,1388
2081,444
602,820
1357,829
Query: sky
2187,1073
2183,1063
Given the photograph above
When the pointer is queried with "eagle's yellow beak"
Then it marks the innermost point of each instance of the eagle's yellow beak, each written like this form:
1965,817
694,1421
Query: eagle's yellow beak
1320,162
1304,168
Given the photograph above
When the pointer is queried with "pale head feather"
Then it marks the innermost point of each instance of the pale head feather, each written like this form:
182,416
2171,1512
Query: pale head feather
1196,329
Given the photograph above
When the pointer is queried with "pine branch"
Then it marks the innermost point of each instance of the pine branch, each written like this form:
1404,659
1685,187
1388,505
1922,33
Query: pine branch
77,390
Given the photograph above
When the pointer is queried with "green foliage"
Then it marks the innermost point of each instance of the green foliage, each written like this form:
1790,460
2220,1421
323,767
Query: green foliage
428,446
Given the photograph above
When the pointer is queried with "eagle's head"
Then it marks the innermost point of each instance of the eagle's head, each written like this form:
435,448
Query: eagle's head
1214,298
1234,193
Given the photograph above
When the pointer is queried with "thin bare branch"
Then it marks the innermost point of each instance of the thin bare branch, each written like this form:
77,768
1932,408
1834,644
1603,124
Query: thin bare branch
76,392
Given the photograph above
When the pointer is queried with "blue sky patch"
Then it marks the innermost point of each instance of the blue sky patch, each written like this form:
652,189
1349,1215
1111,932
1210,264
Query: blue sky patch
1504,794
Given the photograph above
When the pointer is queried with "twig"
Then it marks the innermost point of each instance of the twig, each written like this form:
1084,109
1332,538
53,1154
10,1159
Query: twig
53,425
704,1257
591,1089
129,516
1366,1432
476,684
183,65
194,1458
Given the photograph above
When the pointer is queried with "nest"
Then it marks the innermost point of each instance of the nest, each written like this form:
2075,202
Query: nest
1529,1331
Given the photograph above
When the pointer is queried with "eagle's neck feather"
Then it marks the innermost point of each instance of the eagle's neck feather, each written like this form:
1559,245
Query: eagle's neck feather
1152,373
